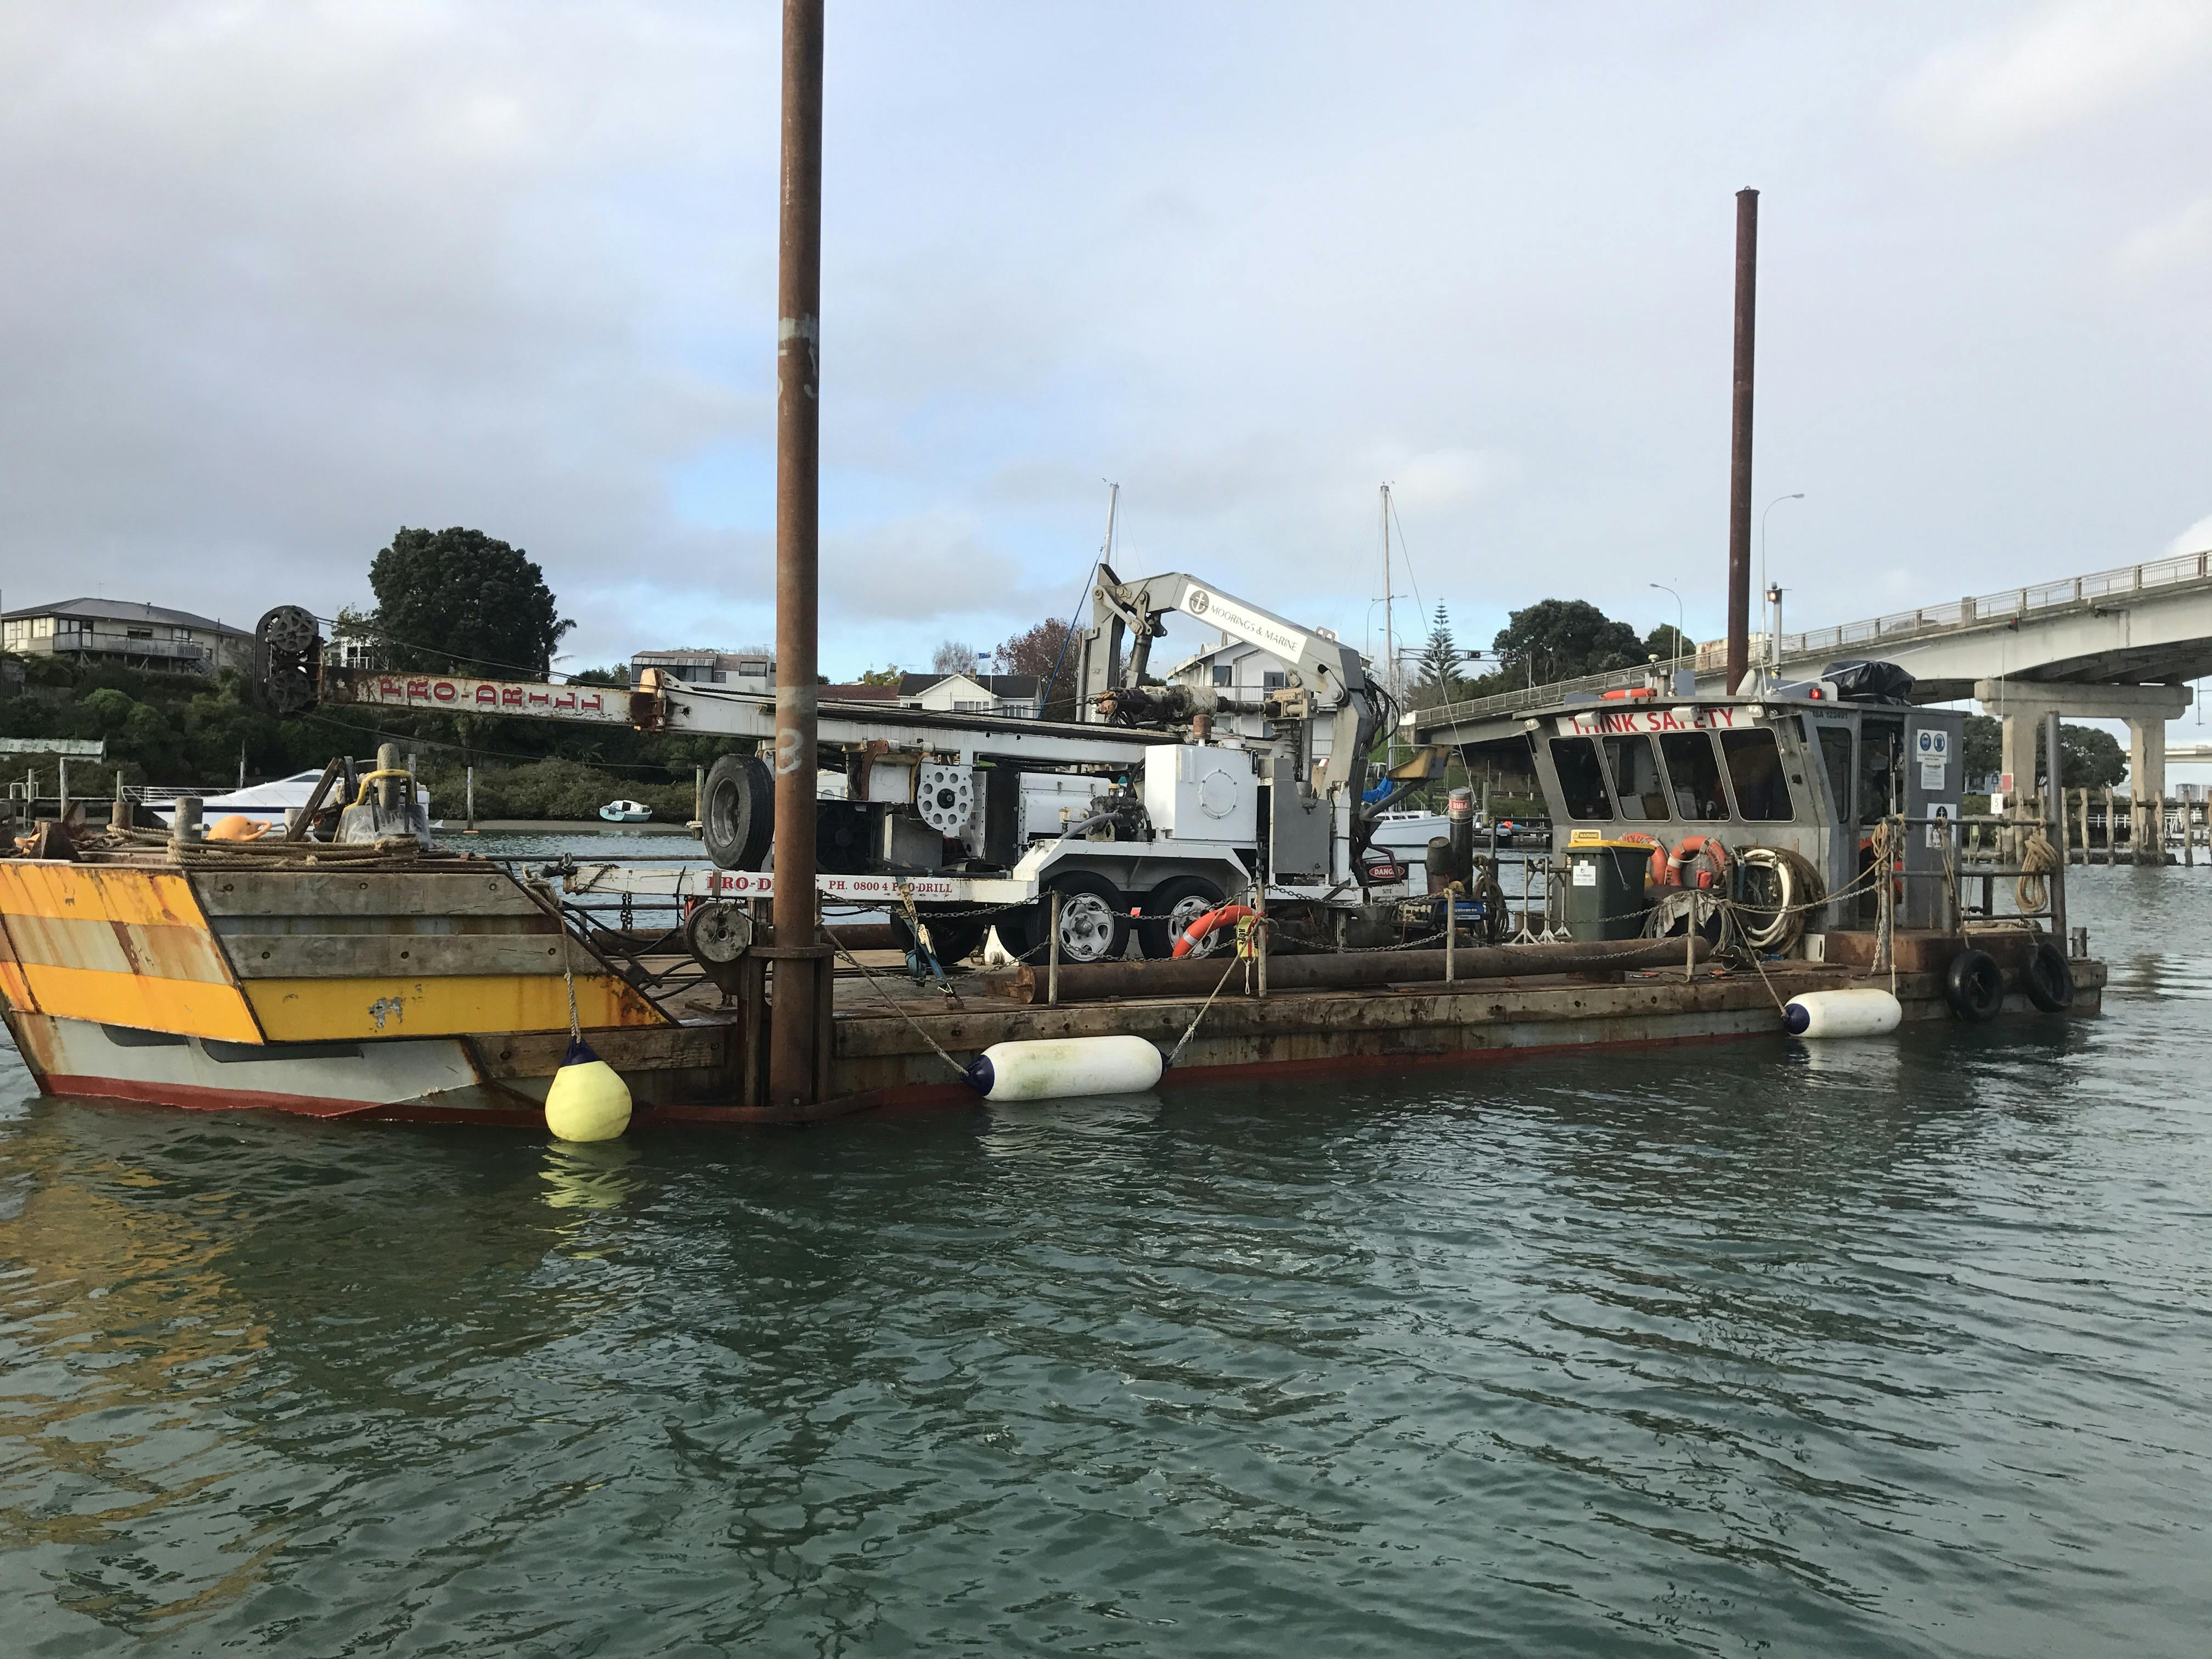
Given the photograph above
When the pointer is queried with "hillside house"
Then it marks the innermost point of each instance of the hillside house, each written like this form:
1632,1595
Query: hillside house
128,634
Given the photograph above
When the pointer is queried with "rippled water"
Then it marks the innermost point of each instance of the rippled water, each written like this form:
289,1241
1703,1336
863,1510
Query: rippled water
1894,1347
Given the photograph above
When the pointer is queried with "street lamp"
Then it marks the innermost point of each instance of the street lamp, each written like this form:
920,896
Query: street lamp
1798,496
1676,654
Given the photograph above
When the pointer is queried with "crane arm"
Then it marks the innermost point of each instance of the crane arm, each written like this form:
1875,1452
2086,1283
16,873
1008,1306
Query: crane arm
1328,671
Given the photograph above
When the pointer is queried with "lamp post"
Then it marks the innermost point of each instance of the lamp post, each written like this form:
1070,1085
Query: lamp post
1797,496
1680,621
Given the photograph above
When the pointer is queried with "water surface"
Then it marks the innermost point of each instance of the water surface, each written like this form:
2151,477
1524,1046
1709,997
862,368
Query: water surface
1889,1347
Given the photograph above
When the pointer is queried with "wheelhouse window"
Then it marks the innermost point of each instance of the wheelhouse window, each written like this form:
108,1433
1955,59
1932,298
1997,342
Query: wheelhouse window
1634,768
1754,763
1836,757
1581,783
1695,775
1881,748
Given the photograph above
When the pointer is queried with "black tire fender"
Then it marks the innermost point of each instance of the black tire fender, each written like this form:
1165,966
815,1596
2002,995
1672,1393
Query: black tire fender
2048,980
1974,986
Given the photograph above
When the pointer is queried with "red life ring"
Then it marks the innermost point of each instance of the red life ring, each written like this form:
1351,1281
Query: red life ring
1221,915
1707,847
1662,873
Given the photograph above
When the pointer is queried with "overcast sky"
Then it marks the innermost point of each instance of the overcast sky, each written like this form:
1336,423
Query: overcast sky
277,278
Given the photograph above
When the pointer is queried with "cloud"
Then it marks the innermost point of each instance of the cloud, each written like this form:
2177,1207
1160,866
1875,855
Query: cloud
2062,66
279,278
2174,243
2198,538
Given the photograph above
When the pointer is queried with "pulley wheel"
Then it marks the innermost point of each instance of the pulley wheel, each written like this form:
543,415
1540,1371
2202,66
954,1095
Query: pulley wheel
719,932
288,631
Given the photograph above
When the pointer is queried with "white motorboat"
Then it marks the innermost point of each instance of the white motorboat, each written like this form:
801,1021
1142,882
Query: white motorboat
626,812
262,803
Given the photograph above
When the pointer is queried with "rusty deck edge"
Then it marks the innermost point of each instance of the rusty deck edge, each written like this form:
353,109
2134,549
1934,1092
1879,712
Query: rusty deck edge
905,1095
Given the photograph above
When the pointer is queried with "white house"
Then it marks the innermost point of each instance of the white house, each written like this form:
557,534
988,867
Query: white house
1235,669
1014,695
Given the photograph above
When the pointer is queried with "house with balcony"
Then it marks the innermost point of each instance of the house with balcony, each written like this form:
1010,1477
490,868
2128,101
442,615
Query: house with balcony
128,633
741,671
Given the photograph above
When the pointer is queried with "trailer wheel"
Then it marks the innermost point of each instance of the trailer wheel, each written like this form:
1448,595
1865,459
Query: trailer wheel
738,813
956,938
1094,922
1170,907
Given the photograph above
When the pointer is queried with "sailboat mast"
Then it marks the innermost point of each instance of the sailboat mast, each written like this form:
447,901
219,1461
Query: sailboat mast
1389,632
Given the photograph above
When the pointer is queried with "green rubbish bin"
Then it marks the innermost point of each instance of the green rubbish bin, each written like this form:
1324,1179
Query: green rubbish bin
1605,888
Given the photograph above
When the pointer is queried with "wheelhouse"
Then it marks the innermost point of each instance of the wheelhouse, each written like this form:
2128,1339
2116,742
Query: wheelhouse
1798,768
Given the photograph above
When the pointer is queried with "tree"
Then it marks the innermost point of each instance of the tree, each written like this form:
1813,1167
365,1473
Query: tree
458,600
952,657
889,676
1439,661
2091,758
1039,652
1669,644
1562,639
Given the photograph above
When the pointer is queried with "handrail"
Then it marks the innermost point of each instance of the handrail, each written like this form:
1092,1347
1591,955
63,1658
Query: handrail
2013,603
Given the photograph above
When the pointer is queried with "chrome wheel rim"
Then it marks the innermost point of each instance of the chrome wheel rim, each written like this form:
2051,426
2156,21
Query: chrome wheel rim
1086,929
1185,912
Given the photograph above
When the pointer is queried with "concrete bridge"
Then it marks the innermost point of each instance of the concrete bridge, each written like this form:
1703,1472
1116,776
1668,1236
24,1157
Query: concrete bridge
2110,645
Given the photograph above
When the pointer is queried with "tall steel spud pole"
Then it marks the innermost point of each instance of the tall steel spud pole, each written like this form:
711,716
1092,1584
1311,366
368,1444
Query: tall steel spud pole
1747,359
791,1079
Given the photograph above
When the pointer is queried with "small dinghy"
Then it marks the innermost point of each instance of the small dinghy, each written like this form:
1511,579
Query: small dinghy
626,812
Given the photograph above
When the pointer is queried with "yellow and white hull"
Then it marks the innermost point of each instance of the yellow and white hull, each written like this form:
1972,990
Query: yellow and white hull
329,992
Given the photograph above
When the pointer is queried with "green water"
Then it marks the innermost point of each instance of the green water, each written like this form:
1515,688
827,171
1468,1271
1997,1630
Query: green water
1900,1346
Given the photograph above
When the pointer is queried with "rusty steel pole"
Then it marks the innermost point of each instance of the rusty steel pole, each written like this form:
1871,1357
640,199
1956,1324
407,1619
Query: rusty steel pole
793,1036
1747,305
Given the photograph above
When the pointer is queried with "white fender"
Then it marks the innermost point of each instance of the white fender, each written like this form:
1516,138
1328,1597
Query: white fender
1054,1067
1867,1012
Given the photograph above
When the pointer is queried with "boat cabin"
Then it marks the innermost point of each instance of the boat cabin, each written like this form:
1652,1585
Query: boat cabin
1799,767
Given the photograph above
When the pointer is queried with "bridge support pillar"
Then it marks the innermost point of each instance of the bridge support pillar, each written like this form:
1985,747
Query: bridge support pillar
2146,708
2016,747
2147,789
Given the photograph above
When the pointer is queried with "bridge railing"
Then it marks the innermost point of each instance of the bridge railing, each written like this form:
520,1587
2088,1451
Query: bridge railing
2013,602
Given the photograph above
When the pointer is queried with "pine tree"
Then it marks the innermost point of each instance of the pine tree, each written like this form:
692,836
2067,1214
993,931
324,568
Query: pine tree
1439,658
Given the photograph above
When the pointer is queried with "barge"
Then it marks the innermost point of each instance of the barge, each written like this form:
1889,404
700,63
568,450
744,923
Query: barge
1713,858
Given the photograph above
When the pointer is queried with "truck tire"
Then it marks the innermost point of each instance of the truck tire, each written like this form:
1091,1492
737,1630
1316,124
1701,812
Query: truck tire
738,813
1173,906
1094,922
2048,980
1974,986
956,938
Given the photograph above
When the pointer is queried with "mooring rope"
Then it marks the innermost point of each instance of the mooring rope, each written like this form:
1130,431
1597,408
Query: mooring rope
1191,1030
919,1030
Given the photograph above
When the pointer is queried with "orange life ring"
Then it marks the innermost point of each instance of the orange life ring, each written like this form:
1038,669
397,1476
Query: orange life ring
1707,847
1662,873
1221,916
